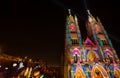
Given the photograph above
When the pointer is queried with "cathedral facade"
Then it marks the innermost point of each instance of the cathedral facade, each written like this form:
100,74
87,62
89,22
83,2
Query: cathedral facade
94,57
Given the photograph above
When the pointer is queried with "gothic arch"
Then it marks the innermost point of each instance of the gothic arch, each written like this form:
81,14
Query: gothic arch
92,55
80,74
109,52
116,73
99,72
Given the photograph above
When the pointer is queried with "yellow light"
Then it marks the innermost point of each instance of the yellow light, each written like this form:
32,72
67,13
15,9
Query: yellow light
36,73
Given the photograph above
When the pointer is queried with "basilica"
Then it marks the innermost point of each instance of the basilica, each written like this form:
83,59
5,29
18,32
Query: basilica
94,57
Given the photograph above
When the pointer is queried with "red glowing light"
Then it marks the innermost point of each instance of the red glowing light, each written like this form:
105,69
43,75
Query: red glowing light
98,28
72,27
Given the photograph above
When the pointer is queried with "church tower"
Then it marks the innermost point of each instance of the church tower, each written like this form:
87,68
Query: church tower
73,44
98,33
93,58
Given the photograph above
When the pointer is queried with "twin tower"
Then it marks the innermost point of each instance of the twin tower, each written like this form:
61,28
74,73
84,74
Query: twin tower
94,57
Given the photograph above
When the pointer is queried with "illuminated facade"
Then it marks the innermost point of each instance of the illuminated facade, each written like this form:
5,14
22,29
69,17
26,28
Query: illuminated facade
93,58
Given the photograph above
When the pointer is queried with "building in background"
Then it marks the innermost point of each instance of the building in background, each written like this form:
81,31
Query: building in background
94,57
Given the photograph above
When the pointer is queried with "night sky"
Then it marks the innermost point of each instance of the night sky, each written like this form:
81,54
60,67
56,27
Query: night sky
35,28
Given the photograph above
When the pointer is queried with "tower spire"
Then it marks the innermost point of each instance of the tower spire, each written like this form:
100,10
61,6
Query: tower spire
88,11
69,11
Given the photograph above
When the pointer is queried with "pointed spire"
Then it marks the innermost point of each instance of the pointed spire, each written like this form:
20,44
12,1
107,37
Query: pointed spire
90,17
69,11
94,20
88,11
71,18
76,20
98,20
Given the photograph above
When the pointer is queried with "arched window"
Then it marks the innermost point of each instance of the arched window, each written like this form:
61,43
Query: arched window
99,72
117,73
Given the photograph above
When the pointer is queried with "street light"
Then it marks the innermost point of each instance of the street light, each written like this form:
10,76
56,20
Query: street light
6,68
14,64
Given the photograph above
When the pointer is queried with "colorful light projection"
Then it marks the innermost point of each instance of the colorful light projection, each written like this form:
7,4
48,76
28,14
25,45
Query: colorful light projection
116,73
76,51
91,59
76,54
79,73
97,28
72,27
99,72
108,52
92,55
88,42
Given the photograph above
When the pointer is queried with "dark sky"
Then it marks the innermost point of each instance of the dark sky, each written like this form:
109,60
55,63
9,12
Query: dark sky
35,28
